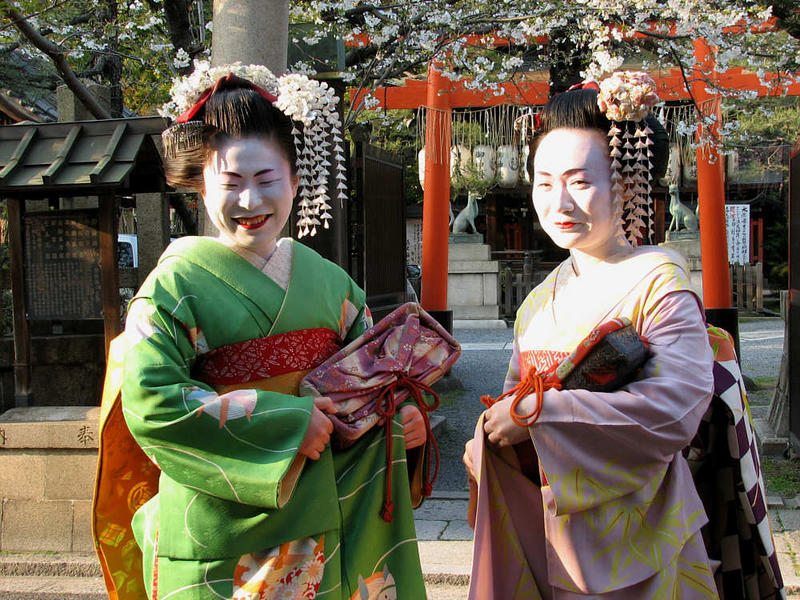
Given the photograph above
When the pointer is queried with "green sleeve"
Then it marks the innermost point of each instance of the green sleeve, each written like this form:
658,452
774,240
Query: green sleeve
237,446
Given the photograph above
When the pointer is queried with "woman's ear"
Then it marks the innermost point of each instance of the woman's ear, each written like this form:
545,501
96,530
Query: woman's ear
295,183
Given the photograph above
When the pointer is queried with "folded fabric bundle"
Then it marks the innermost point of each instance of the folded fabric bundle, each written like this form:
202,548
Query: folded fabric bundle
605,360
397,359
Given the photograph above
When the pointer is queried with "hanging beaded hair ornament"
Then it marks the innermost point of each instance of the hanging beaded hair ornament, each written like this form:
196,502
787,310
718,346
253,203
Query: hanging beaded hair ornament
626,98
308,103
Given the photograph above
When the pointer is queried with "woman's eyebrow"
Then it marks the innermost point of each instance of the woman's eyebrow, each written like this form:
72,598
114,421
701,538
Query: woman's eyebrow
235,174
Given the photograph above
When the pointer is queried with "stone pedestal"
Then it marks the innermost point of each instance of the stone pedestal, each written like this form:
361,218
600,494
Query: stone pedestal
48,459
472,283
688,244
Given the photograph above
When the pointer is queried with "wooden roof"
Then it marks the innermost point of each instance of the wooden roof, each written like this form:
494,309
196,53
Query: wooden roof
81,158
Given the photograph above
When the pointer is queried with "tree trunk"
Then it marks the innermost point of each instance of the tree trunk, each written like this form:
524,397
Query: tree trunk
251,31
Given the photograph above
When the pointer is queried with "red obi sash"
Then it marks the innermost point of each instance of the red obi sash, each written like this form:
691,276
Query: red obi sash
539,361
265,357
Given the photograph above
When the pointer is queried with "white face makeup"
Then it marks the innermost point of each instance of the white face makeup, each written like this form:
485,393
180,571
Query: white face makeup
248,193
572,192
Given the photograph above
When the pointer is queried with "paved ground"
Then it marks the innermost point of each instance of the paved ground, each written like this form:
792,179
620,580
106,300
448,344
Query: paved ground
445,546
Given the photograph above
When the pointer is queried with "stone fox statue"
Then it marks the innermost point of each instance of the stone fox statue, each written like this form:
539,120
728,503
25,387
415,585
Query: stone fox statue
467,216
681,214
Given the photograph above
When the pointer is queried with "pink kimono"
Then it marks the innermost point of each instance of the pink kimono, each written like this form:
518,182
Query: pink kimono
612,511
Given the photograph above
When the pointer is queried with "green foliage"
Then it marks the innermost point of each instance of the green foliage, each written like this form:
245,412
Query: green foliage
396,132
765,121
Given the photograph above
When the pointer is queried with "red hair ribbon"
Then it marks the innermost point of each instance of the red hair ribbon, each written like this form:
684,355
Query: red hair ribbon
586,85
229,82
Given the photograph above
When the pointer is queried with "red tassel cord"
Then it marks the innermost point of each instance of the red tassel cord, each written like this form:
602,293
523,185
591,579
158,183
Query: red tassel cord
386,408
533,383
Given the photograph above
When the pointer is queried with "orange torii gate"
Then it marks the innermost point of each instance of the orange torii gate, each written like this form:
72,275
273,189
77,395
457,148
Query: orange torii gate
442,95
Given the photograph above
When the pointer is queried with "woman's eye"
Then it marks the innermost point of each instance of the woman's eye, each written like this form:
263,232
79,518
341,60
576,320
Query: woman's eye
226,185
266,183
580,183
544,185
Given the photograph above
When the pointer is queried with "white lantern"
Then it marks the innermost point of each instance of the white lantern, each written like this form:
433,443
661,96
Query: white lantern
732,166
483,159
690,165
460,157
507,166
421,166
523,164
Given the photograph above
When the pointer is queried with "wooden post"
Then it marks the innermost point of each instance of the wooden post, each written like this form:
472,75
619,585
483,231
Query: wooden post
109,269
22,334
436,196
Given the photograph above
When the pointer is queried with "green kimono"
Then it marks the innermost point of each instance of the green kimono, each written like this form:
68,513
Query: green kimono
239,513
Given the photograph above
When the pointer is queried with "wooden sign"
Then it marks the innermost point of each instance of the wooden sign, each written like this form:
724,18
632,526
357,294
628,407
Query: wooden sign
62,266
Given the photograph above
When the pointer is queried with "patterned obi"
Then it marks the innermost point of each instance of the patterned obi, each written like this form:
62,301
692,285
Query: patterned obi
252,360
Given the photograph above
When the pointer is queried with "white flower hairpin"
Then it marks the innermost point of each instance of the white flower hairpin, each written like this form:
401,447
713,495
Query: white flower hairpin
310,104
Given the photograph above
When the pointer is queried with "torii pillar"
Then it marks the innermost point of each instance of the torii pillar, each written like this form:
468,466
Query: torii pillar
711,203
436,199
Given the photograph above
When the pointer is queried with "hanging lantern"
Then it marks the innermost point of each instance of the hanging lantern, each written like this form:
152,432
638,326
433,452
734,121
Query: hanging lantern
732,165
673,173
483,160
507,166
460,157
689,165
523,163
421,166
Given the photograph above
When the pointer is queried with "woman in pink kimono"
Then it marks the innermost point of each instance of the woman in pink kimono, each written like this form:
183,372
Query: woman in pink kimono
585,494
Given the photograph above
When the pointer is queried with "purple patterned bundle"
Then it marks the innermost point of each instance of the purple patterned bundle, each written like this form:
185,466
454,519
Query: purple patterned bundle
406,351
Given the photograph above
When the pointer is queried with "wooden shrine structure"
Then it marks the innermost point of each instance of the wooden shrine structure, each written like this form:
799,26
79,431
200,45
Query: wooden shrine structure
63,259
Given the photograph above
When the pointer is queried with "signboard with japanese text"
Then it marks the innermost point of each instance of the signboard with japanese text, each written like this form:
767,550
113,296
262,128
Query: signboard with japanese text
737,223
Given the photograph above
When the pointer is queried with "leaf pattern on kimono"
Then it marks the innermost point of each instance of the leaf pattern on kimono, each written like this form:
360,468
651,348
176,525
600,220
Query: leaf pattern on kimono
139,324
579,488
380,586
231,405
648,540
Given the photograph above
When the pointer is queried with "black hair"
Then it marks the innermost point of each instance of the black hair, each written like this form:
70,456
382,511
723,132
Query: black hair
231,114
577,109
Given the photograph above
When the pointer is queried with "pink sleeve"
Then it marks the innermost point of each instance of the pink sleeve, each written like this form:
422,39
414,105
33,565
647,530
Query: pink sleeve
622,439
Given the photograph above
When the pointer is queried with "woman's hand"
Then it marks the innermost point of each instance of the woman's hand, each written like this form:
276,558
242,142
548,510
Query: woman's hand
319,429
413,426
469,465
499,427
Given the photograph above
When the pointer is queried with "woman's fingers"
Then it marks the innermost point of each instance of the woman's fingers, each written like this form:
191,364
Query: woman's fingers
325,404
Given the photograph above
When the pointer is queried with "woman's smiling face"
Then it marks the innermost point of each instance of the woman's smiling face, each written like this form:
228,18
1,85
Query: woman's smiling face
248,193
572,191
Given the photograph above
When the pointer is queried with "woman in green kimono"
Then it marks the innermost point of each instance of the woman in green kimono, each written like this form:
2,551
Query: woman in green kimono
252,503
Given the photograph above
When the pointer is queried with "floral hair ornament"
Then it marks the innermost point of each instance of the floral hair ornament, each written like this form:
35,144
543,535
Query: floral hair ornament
626,98
312,107
527,125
